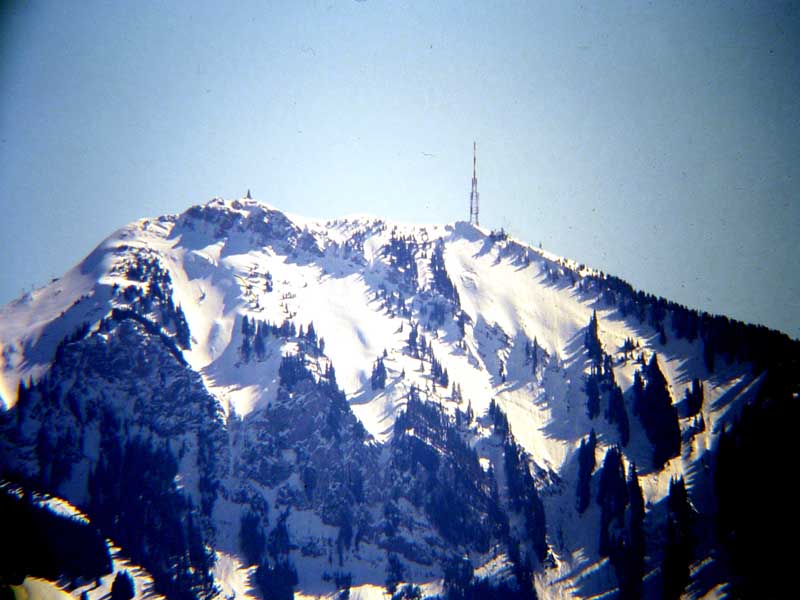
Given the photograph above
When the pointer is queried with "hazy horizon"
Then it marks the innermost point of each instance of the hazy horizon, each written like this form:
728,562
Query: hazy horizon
657,143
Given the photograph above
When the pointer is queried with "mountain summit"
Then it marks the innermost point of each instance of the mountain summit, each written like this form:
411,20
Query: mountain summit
253,404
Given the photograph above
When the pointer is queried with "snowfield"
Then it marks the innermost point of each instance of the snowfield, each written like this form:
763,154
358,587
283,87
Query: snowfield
336,275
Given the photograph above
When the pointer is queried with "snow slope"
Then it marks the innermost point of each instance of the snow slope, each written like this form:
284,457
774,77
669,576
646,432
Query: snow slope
230,260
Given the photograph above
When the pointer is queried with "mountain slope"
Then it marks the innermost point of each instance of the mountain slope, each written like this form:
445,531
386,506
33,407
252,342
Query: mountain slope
339,402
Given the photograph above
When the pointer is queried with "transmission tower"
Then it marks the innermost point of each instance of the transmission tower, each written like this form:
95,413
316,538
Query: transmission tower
473,195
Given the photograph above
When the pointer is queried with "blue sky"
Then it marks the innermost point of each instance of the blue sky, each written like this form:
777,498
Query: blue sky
658,142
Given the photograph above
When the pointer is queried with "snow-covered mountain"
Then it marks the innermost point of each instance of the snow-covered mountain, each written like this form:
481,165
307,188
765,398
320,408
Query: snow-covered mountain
250,403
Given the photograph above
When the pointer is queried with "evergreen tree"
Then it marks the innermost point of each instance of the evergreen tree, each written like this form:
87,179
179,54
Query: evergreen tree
612,496
693,398
278,544
330,375
458,574
523,495
122,588
592,396
441,281
461,323
259,346
394,572
182,332
638,392
658,416
678,548
277,580
247,347
586,465
252,539
631,571
591,341
311,334
292,370
408,592
378,377
617,414
412,340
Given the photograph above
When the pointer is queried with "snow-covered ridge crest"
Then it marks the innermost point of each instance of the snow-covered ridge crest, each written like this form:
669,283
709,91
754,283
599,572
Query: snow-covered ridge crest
265,225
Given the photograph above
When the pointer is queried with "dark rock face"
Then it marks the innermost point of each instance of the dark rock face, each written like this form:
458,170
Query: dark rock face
120,413
107,428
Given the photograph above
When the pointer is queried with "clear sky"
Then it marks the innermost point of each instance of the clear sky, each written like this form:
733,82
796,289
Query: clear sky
659,142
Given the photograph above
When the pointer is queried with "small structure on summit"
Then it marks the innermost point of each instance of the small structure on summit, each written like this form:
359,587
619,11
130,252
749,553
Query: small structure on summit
473,195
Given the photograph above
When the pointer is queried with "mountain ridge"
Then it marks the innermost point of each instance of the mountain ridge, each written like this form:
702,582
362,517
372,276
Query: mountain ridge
438,355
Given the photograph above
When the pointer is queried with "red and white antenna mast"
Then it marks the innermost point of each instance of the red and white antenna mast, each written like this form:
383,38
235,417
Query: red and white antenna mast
473,195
